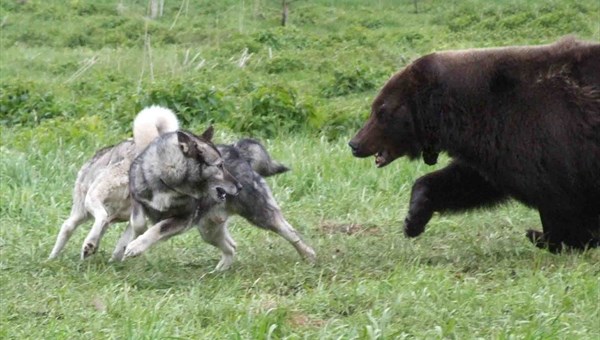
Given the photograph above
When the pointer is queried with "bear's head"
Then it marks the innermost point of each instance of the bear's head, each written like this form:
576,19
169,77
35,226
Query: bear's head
404,119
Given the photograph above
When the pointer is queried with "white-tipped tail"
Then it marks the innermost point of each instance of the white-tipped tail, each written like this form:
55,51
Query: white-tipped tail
152,122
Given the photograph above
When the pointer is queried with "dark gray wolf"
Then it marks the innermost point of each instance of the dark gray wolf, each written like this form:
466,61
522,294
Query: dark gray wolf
178,206
520,122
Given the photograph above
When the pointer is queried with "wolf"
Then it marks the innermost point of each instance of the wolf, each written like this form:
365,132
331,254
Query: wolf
101,188
244,164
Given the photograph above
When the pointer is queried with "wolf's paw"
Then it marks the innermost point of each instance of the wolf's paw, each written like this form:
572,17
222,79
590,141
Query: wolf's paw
117,255
135,248
88,249
309,254
224,264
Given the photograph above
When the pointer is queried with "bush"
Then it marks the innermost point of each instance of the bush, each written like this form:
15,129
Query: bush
276,109
358,79
23,104
192,102
285,37
344,115
284,64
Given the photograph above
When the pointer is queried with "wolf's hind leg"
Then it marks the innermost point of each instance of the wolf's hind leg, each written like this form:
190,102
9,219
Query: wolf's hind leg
217,234
257,205
96,207
272,219
78,216
282,227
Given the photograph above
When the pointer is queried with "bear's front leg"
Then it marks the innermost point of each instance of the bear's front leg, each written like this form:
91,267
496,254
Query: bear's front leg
454,188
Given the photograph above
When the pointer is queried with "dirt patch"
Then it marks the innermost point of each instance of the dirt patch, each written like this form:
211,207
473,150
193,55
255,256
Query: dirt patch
330,228
302,320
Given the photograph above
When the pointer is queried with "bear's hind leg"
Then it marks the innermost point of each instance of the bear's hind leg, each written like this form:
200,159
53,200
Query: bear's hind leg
577,231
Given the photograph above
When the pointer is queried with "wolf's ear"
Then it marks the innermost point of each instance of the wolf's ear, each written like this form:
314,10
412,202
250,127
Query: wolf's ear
208,134
185,143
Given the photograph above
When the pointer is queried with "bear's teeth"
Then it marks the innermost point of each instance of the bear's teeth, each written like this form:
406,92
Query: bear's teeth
379,159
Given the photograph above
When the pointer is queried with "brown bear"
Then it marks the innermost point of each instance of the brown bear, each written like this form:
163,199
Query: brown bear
520,122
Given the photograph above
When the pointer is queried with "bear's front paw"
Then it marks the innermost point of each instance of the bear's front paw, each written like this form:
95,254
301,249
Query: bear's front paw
412,229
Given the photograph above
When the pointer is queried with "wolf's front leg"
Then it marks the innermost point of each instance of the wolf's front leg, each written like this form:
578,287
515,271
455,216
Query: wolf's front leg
122,243
135,227
214,232
158,232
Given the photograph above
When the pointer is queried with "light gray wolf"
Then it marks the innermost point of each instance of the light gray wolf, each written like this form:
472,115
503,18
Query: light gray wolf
169,199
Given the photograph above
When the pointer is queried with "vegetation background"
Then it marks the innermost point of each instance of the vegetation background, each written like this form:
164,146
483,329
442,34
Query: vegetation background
73,75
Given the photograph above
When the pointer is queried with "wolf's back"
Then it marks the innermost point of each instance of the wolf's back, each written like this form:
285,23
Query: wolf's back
152,122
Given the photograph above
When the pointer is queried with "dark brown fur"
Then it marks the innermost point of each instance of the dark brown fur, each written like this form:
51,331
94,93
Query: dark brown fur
521,122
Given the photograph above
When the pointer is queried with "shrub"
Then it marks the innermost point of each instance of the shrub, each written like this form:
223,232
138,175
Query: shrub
276,109
354,80
24,104
344,116
192,102
284,64
285,37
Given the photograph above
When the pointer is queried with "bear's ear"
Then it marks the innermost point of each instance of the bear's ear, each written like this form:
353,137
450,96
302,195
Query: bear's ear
427,70
208,134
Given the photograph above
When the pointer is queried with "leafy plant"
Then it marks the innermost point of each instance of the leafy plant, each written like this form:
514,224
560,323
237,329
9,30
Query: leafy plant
276,109
354,80
284,64
193,102
24,104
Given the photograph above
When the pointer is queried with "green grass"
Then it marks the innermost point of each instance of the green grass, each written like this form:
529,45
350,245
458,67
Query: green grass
470,275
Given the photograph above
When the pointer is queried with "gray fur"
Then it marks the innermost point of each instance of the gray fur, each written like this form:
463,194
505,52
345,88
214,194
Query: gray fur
174,182
100,192
176,193
258,157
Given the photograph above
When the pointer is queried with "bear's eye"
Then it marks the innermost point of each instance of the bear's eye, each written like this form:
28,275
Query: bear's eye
381,112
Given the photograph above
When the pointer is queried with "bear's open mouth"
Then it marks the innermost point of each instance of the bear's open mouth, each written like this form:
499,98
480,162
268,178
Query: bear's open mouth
382,158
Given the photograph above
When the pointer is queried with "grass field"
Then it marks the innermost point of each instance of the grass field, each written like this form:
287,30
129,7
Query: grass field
73,75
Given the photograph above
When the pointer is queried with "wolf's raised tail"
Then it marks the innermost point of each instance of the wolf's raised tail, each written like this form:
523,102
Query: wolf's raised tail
258,157
152,122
